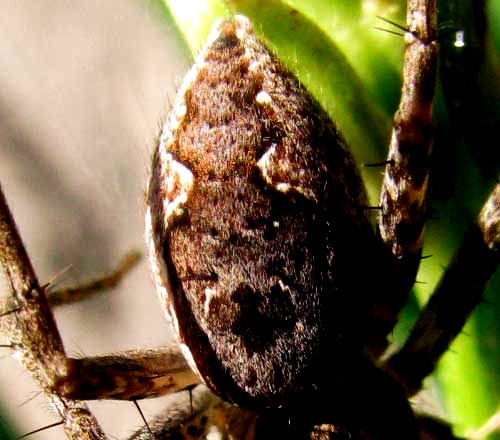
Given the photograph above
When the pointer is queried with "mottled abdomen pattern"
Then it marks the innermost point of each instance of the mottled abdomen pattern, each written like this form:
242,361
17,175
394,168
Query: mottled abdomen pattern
257,226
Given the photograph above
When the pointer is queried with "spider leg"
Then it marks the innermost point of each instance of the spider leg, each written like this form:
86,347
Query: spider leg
131,375
31,330
402,197
201,416
462,287
208,414
29,326
105,283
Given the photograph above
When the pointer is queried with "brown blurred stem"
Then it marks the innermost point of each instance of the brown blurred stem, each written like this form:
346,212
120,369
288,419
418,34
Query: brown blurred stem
32,331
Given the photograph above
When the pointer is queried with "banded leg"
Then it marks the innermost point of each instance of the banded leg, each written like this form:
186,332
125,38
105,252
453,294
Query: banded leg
461,289
402,197
32,332
130,375
100,285
27,322
202,415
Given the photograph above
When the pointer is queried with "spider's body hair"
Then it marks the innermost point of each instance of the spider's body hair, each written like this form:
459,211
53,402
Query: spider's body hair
255,223
259,239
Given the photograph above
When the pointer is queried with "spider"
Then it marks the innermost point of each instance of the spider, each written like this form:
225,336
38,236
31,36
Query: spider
255,350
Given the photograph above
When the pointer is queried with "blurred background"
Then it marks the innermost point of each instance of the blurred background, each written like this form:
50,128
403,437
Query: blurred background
84,87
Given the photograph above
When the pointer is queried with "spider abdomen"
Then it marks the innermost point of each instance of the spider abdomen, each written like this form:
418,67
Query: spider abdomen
256,225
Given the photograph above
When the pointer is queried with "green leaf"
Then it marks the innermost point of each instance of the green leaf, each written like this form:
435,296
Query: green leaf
195,17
